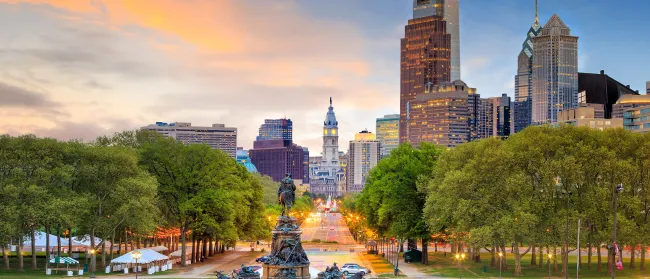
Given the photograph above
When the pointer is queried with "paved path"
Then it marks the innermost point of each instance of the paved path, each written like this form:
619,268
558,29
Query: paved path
326,227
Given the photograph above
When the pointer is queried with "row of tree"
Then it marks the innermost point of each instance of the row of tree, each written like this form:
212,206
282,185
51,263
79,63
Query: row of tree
131,184
527,193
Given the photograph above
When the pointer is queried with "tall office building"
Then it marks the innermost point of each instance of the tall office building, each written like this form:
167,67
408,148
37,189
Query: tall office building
448,10
500,118
387,129
555,71
363,156
444,114
326,178
425,55
276,129
603,90
218,136
647,87
523,79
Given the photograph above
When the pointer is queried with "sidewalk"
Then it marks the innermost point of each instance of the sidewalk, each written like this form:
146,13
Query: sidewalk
412,272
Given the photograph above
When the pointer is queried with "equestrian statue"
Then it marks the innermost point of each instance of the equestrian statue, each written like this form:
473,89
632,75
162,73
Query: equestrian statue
287,194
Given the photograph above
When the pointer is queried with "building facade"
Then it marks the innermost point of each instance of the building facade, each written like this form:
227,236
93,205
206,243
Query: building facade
276,129
647,87
327,176
637,119
218,136
275,159
629,102
524,78
449,12
387,130
587,116
364,153
555,72
244,160
601,89
500,112
425,58
445,114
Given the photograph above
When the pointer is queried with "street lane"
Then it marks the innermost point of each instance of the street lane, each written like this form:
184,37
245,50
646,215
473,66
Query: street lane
326,227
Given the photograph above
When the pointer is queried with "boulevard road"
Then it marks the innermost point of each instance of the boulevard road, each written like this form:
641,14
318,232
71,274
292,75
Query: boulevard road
326,227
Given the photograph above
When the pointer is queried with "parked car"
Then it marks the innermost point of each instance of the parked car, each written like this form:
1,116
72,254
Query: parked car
352,268
262,259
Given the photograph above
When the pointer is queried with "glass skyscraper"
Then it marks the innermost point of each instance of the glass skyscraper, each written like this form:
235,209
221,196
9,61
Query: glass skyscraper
555,72
523,79
448,11
276,129
387,131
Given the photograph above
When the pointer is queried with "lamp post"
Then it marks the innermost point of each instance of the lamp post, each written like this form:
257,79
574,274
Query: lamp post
460,257
92,263
396,271
617,190
549,265
136,255
500,255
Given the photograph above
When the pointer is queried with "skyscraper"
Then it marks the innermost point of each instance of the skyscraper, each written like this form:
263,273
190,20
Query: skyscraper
387,130
218,136
647,87
523,79
555,71
326,177
276,129
448,10
500,116
363,156
425,57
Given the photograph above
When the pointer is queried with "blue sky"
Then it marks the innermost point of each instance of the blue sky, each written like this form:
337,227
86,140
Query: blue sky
81,68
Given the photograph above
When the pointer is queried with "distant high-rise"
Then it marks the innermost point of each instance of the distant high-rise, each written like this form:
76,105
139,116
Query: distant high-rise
500,116
276,129
448,10
555,71
647,87
387,131
602,89
275,159
218,136
425,58
523,79
363,156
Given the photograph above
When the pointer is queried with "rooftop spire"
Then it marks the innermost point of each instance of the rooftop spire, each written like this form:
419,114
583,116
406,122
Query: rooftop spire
330,101
536,17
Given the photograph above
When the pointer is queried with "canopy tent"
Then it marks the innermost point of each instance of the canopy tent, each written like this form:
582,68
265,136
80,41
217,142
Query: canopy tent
41,242
158,248
67,261
179,252
148,256
85,240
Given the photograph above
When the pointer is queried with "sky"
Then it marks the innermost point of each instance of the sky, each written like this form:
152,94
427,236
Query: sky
78,69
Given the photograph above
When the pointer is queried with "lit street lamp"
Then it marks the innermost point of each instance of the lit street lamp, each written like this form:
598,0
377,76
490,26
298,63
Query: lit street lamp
500,255
136,255
460,258
92,263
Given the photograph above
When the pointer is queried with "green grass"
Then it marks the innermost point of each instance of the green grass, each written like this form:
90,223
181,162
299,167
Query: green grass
447,267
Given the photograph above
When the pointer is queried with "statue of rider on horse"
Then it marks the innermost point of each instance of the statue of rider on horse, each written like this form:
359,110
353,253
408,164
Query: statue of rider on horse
286,194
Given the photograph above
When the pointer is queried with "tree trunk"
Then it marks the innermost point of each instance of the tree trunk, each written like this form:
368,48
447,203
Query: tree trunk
138,242
643,251
70,242
183,248
435,246
112,243
425,251
126,242
565,260
554,259
33,235
518,256
609,260
492,256
47,243
541,255
632,256
205,249
548,260
193,249
119,247
533,259
504,261
19,252
103,244
589,256
58,241
93,257
599,267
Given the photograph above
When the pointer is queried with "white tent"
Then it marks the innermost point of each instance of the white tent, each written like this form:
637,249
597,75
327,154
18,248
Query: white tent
158,248
85,240
41,242
147,257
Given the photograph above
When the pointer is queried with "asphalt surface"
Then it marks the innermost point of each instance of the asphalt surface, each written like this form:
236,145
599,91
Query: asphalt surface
326,227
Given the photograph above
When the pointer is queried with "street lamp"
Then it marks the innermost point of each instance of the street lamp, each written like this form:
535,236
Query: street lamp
397,244
549,265
460,258
500,255
136,255
617,190
92,263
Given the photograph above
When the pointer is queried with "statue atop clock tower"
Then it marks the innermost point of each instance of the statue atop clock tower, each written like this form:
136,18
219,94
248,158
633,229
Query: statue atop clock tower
330,161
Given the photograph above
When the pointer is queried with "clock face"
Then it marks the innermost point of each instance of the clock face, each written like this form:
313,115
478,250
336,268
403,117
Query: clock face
333,131
324,131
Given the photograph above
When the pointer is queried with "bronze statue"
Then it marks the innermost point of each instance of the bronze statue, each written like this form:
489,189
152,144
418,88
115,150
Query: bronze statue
287,194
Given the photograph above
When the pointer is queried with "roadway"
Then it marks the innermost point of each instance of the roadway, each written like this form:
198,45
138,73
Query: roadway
326,227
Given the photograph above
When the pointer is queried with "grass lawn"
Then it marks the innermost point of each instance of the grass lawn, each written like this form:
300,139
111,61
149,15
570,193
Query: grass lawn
442,266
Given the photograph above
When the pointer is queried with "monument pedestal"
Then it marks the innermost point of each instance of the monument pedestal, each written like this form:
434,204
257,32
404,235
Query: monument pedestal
287,259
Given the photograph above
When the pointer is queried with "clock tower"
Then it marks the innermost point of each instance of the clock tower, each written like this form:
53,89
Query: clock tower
330,161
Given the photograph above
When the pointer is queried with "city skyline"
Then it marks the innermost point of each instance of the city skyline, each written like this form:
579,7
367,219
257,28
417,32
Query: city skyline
81,70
